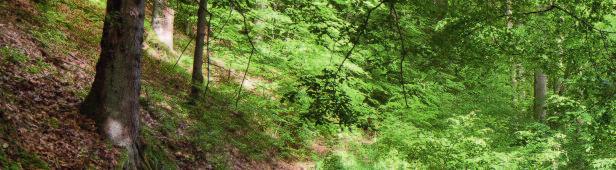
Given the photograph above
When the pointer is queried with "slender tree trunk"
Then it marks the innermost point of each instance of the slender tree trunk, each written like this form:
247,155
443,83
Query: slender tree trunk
541,87
113,100
514,64
558,80
188,28
162,22
197,74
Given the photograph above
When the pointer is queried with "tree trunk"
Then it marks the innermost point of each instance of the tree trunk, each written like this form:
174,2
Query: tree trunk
113,100
541,87
514,64
188,28
162,22
197,74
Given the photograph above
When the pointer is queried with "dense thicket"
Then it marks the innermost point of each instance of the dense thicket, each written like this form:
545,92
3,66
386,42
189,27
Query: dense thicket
456,83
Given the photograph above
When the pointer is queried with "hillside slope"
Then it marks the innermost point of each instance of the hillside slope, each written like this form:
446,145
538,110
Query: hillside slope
48,52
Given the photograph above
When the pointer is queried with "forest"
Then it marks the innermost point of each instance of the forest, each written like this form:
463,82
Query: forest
307,84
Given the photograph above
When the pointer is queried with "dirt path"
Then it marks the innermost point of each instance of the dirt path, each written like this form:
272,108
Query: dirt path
222,73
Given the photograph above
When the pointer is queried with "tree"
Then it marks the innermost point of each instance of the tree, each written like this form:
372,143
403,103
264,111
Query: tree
113,100
541,83
197,74
162,22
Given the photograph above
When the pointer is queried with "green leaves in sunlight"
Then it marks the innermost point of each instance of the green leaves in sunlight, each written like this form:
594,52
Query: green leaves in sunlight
330,103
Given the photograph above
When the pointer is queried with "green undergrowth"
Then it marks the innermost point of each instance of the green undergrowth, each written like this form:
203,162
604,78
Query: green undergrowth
66,25
258,128
156,154
14,55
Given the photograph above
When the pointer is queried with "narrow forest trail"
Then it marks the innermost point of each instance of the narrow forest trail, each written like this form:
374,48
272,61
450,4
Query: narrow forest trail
221,73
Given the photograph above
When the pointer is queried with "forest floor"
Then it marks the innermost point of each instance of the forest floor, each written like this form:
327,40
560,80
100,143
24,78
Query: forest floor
47,63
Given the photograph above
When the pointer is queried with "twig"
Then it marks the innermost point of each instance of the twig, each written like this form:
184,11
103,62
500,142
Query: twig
356,41
207,52
207,84
181,54
403,51
585,22
252,51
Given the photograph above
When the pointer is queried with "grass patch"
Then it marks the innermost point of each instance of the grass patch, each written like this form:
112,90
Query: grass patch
38,67
13,55
98,3
155,154
255,127
51,38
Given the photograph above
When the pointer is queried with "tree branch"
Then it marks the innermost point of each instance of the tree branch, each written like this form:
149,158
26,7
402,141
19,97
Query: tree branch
252,51
356,41
403,50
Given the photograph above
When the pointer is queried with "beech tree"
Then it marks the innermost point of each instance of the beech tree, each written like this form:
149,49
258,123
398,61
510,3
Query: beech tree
540,89
162,22
113,100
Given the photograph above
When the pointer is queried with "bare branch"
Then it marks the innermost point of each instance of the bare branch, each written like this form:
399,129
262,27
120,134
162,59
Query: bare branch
403,50
356,41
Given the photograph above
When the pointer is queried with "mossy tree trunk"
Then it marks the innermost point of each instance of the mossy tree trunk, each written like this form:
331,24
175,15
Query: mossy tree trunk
113,100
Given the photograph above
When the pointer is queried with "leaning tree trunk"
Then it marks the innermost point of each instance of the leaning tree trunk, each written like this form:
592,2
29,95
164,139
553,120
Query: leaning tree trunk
162,22
197,74
541,89
113,100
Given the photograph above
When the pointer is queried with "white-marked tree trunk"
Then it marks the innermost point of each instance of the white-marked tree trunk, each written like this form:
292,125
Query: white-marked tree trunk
113,100
541,89
162,22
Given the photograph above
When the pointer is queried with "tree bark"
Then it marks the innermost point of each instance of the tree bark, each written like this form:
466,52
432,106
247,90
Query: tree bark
188,28
541,87
197,74
113,100
162,22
